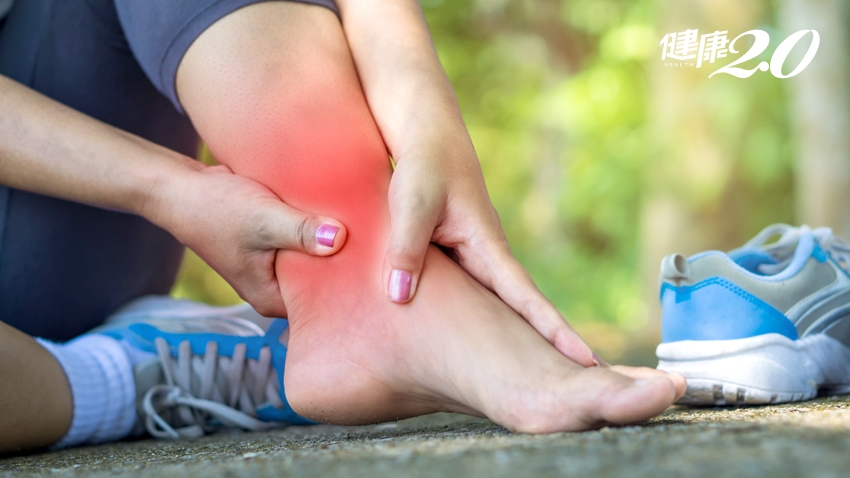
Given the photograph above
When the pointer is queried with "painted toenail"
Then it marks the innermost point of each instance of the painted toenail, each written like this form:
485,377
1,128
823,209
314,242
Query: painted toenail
399,285
326,234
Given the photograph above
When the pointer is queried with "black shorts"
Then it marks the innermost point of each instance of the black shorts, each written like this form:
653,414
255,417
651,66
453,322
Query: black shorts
65,266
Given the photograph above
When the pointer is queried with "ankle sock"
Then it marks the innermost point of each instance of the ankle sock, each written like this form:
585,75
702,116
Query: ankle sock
100,373
135,355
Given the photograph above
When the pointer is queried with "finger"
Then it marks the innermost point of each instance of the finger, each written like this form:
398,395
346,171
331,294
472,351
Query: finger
413,225
283,227
219,168
267,305
514,285
262,291
600,361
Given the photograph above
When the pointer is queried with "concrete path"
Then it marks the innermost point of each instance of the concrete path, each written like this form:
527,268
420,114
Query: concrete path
809,439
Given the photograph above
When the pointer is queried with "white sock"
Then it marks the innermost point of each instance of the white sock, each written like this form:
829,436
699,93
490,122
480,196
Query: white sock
135,355
100,372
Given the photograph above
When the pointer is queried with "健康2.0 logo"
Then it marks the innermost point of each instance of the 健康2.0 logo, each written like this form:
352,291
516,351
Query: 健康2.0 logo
689,48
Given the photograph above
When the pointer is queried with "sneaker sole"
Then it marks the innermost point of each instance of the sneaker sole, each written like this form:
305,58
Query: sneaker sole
768,368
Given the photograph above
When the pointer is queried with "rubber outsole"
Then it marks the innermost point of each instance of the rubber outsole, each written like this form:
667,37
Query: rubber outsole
702,392
758,370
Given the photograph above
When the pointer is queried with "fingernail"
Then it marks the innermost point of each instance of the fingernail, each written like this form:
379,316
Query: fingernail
399,286
596,359
325,235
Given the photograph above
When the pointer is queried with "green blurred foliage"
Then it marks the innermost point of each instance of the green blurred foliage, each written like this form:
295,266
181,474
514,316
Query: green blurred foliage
557,98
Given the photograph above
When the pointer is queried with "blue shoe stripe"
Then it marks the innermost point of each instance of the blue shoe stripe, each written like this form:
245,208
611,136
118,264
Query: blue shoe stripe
143,335
717,309
276,328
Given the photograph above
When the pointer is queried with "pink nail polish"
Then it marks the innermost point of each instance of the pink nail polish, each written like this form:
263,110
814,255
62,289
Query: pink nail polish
325,235
399,286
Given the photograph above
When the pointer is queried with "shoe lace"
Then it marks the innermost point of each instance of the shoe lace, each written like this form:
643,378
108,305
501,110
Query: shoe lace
836,246
203,393
789,236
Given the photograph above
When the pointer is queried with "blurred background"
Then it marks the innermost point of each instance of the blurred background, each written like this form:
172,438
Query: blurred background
601,160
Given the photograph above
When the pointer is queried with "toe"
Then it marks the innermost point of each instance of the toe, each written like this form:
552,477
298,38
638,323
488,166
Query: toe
639,400
639,373
680,382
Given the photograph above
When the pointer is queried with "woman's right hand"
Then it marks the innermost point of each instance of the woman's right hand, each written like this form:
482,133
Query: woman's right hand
233,223
237,225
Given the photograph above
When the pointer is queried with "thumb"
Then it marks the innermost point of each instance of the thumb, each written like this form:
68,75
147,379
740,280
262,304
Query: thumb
284,227
412,229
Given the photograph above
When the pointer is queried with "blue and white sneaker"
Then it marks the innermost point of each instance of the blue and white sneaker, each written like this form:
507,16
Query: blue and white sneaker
203,368
766,323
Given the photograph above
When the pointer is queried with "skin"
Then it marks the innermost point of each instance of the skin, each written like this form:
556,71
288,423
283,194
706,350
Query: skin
37,410
252,224
301,125
437,193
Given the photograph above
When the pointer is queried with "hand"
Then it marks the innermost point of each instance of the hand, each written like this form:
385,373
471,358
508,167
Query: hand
233,223
237,225
437,194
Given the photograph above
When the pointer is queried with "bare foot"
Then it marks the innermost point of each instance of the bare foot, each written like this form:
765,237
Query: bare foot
273,89
456,348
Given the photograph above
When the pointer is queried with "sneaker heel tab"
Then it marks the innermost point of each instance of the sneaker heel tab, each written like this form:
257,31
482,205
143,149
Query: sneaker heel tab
676,270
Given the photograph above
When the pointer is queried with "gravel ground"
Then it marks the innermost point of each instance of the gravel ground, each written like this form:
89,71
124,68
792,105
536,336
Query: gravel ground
804,439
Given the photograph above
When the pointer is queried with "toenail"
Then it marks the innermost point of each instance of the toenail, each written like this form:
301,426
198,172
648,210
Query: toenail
326,234
399,285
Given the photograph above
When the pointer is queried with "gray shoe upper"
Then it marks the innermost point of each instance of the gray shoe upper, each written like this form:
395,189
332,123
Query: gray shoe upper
799,276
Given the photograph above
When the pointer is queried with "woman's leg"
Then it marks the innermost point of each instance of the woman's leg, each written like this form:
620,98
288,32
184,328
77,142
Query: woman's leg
273,90
35,398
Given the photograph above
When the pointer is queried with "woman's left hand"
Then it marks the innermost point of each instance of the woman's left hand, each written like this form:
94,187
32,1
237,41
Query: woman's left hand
437,194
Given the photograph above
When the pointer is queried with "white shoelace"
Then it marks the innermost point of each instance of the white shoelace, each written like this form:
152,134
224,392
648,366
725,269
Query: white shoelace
783,249
837,247
205,393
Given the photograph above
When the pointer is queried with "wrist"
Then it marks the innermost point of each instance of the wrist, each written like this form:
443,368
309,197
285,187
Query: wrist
444,153
159,201
436,141
421,115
